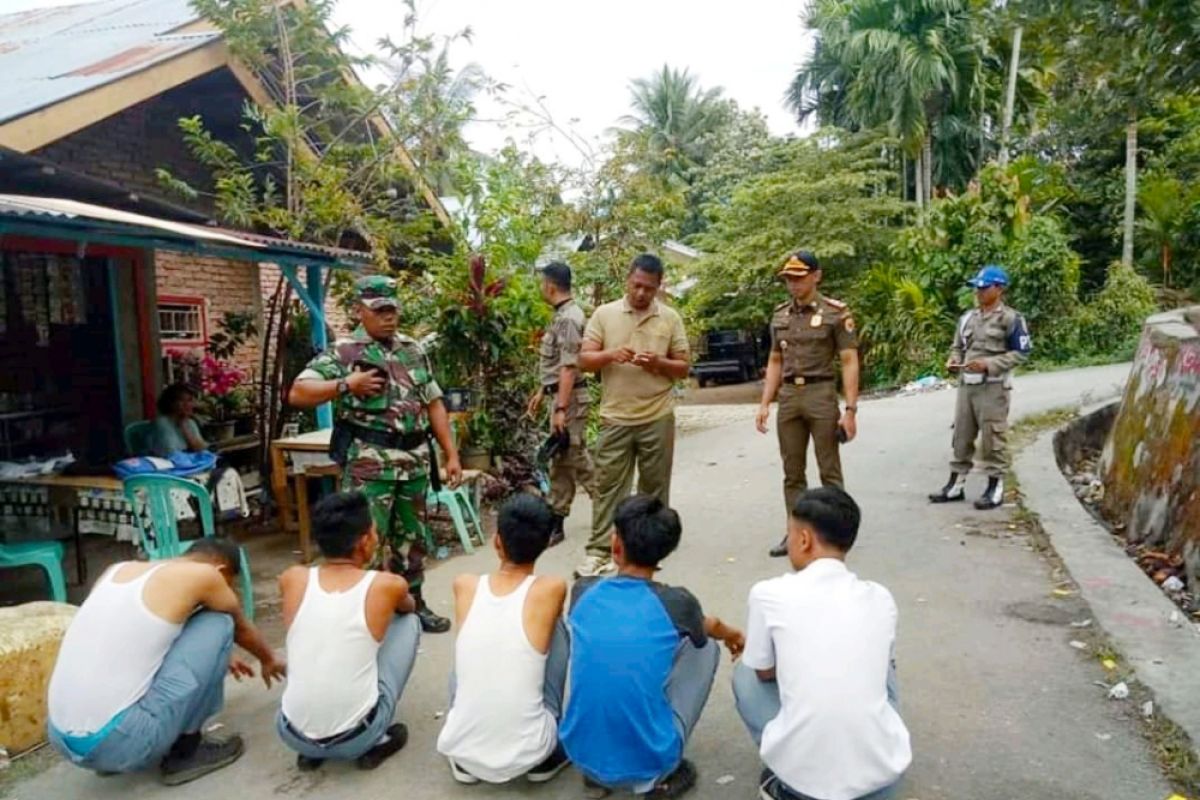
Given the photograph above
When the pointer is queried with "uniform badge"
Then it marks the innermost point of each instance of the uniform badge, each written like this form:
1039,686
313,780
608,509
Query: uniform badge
848,324
816,321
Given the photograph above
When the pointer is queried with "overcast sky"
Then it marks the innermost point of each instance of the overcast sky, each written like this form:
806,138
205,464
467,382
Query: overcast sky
581,57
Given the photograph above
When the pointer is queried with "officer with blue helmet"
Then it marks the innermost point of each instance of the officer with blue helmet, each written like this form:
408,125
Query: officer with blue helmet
989,342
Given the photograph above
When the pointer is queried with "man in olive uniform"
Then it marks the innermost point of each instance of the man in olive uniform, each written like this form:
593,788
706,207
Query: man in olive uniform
386,403
639,347
560,381
989,342
809,334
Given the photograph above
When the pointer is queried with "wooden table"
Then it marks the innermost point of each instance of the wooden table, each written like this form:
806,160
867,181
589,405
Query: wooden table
63,494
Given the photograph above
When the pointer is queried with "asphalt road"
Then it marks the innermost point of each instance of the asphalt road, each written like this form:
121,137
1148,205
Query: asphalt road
999,705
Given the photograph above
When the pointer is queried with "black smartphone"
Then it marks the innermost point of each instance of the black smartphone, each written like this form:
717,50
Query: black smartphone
841,435
364,366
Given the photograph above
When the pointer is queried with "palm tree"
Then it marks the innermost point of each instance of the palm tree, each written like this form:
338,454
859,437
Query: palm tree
675,116
906,65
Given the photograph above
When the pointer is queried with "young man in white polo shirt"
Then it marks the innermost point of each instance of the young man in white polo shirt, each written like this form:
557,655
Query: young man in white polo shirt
816,683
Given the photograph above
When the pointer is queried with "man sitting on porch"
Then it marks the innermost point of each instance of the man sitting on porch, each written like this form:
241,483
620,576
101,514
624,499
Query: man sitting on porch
143,665
352,634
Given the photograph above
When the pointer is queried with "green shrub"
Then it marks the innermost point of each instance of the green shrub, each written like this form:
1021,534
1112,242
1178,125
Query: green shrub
1111,324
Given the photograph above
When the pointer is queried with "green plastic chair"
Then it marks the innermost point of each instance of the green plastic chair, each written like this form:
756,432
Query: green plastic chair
462,512
47,555
154,515
137,437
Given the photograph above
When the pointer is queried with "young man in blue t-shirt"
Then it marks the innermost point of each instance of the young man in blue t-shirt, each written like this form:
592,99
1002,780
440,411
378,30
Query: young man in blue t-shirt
642,662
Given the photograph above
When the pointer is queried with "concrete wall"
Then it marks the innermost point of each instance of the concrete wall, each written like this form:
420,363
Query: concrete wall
1151,461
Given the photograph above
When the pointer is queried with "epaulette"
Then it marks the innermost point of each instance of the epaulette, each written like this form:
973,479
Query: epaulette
402,339
838,304
782,305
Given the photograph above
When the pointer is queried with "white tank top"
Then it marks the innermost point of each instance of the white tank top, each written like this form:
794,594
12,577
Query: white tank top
109,655
333,674
498,727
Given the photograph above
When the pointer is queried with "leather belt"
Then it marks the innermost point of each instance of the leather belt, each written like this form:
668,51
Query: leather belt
802,380
337,738
551,388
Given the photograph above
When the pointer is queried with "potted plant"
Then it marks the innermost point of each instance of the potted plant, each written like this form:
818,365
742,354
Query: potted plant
219,397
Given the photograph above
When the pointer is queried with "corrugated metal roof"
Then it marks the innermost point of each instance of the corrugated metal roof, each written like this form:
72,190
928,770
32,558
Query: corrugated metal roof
263,248
48,55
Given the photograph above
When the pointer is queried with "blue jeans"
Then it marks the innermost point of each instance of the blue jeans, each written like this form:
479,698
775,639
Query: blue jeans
188,688
558,657
397,653
758,703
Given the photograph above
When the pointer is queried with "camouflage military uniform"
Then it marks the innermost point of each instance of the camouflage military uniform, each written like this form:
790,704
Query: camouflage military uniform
403,408
560,348
809,339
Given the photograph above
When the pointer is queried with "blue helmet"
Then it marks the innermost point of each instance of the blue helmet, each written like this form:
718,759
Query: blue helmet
990,275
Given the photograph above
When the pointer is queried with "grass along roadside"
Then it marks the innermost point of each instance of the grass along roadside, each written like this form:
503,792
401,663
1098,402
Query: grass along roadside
1173,749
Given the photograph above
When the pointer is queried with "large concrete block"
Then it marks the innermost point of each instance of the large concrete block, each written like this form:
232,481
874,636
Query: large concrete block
30,635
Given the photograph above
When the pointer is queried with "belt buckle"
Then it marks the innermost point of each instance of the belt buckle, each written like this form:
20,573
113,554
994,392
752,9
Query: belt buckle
799,380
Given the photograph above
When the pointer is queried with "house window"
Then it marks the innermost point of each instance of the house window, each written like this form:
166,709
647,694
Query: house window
182,321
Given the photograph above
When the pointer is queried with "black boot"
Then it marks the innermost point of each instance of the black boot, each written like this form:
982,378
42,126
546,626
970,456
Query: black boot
430,621
557,533
779,550
993,495
954,490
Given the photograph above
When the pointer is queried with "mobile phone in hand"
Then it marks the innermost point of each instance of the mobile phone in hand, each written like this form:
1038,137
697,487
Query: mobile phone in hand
841,435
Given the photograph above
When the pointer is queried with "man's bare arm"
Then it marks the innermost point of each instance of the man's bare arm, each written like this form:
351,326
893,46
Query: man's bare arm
217,596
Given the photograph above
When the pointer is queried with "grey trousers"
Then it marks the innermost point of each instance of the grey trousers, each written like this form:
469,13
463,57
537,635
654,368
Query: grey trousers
758,703
397,653
188,688
554,685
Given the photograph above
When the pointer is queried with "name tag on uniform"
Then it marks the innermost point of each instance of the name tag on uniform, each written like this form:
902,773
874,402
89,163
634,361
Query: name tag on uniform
816,321
973,378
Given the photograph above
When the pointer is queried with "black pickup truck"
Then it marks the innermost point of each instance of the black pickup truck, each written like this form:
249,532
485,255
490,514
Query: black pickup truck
731,355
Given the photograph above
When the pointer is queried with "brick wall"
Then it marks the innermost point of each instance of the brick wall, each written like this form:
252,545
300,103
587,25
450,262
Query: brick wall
128,147
226,285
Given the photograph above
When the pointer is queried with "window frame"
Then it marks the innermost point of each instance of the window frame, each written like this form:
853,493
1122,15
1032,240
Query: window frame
201,306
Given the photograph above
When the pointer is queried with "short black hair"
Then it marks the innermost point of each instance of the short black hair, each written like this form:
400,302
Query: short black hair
649,529
647,263
172,395
808,258
339,520
524,524
832,513
213,548
559,274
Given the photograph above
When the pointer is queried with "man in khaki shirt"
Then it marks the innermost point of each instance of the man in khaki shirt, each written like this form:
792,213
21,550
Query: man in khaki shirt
640,349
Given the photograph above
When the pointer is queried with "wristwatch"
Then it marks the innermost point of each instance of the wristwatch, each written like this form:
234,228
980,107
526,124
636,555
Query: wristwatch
560,408
343,388
853,408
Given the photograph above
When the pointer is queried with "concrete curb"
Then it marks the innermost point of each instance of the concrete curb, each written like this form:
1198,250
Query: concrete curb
1125,603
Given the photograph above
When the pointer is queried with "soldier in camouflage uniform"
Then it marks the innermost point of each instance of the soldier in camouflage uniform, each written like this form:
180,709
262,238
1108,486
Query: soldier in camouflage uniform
989,342
386,404
560,380
810,334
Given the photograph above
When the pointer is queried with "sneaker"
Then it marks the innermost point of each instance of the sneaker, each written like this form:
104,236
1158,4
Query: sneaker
675,784
555,763
306,764
395,739
460,774
431,622
595,567
993,495
954,490
209,756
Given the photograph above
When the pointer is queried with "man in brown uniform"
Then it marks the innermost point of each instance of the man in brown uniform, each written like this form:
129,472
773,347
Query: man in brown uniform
988,343
808,335
560,381
639,347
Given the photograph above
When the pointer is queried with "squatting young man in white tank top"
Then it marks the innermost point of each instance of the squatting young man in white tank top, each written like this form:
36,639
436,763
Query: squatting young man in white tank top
510,659
143,664
352,635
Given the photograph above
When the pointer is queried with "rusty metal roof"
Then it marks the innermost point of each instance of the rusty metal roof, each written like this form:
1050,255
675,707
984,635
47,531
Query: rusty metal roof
50,54
100,223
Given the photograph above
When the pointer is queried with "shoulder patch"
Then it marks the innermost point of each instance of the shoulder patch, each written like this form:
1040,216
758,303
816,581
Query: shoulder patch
782,306
838,304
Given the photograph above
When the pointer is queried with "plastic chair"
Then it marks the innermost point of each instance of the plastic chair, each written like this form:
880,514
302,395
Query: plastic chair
137,437
47,555
462,512
154,515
